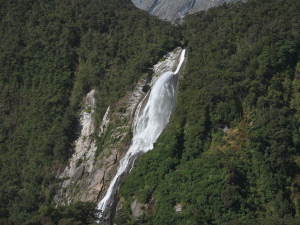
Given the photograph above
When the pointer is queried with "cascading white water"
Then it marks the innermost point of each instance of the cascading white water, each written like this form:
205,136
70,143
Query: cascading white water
148,126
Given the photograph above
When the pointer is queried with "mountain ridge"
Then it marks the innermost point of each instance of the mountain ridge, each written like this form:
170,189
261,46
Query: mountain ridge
168,10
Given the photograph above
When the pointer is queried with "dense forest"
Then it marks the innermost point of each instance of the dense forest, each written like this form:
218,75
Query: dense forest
51,54
242,74
230,154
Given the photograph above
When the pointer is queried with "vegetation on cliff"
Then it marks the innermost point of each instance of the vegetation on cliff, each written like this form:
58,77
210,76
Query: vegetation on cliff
51,54
242,73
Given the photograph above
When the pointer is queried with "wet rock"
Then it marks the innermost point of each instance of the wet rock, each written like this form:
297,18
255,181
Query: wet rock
146,88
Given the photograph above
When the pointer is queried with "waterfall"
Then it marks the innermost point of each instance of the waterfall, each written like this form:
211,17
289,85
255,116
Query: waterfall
147,127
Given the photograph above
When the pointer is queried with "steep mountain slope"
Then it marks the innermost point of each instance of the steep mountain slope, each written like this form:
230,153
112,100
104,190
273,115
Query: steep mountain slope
174,10
52,54
92,174
231,152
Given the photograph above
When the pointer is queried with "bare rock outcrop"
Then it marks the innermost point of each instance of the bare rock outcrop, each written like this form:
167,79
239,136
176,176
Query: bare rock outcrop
136,209
174,10
82,160
87,177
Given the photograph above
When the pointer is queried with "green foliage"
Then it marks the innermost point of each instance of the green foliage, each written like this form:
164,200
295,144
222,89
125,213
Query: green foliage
78,213
51,54
241,72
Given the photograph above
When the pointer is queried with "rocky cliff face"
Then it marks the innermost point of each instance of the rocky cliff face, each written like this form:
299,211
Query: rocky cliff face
87,177
174,10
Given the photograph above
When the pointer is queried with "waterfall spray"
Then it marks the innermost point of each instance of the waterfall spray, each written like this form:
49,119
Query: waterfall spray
147,127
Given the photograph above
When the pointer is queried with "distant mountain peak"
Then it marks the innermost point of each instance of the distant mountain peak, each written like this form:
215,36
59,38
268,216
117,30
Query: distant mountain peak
172,10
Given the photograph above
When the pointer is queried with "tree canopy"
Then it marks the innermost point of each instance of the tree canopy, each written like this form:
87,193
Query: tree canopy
242,72
51,54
